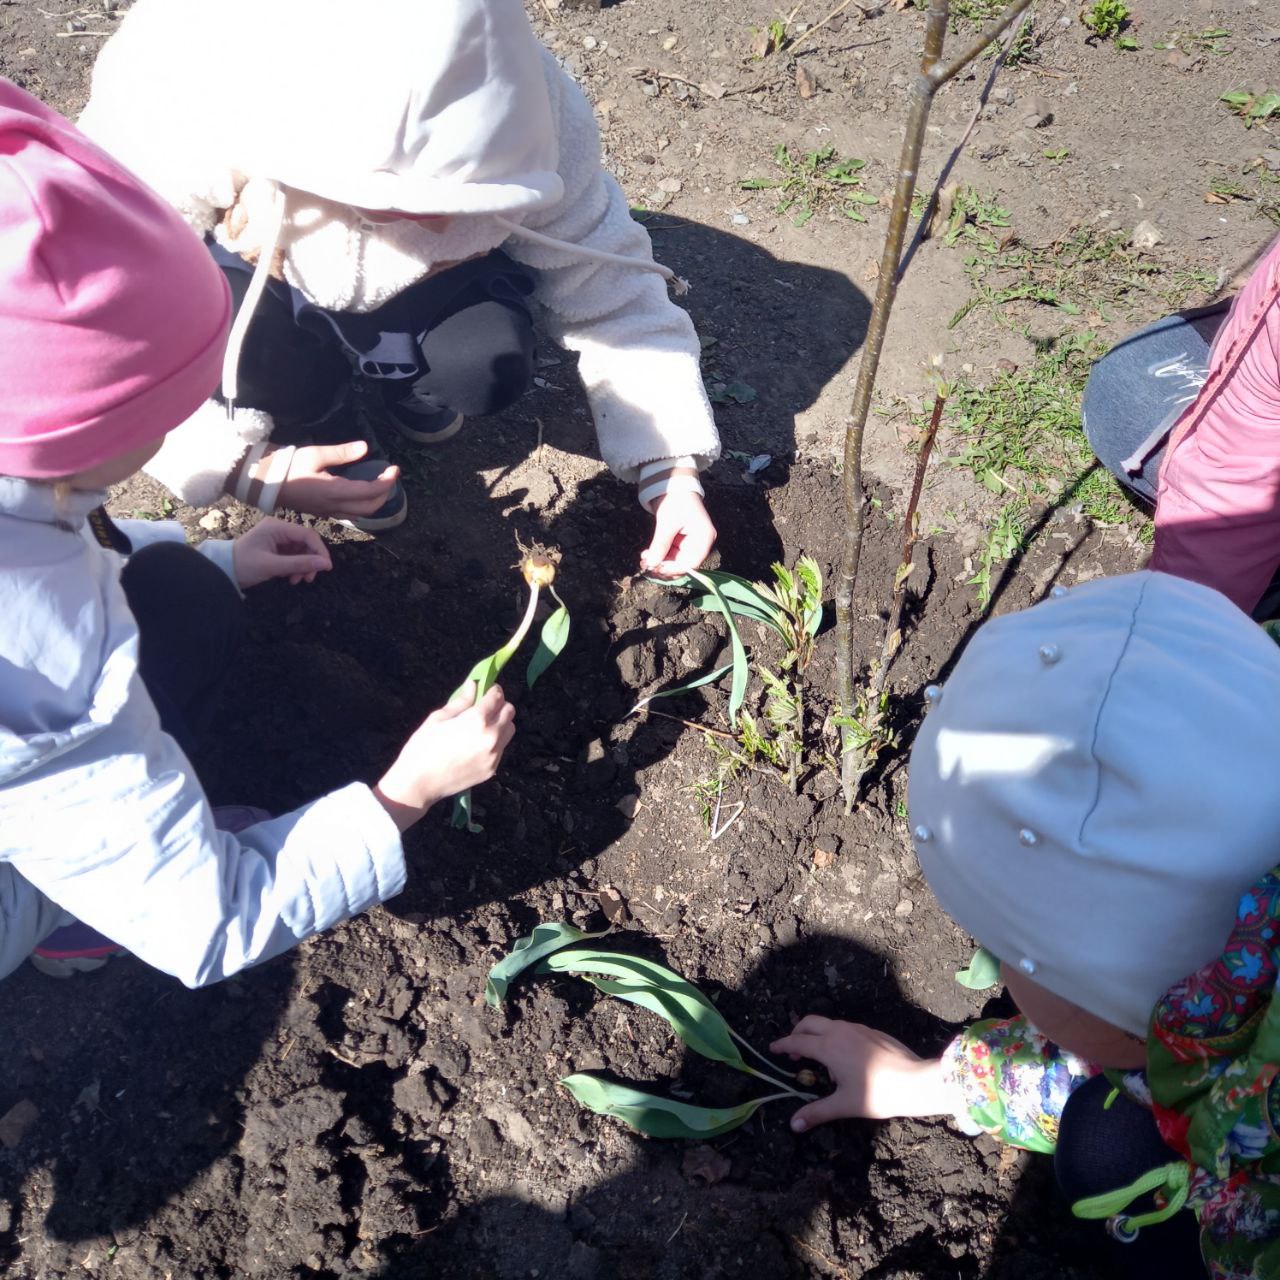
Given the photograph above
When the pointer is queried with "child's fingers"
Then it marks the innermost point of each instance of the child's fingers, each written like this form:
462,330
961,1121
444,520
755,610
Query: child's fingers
462,699
491,705
825,1109
334,455
302,538
812,1024
456,705
796,1046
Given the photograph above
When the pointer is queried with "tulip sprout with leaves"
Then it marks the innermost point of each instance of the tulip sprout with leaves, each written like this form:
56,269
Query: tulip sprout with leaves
538,567
792,608
692,1017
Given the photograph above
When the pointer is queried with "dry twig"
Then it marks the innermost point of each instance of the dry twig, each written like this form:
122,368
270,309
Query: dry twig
863,759
865,10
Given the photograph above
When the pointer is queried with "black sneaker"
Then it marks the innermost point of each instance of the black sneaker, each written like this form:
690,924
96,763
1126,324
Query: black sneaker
391,513
425,419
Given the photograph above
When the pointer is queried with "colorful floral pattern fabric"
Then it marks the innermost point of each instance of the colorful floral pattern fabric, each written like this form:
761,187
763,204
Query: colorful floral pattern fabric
1213,1063
1014,1082
1213,1080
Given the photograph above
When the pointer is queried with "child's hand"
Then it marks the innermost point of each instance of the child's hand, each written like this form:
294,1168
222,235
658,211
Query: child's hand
277,549
457,747
311,487
876,1076
683,536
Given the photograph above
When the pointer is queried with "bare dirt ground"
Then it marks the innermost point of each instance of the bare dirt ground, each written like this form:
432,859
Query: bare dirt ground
355,1108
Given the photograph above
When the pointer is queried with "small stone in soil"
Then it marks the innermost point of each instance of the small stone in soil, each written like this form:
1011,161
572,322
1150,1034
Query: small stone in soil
1036,114
705,1165
1146,235
16,1121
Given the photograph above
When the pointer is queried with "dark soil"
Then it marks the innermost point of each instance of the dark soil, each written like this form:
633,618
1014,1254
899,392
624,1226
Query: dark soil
355,1108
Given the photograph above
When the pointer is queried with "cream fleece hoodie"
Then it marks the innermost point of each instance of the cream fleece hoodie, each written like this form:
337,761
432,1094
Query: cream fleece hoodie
292,111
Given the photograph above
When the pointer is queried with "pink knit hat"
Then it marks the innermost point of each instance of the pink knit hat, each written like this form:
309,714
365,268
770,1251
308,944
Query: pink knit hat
113,316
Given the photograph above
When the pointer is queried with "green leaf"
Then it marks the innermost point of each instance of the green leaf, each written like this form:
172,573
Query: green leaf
748,599
545,939
809,576
654,1116
660,990
740,392
1267,104
709,604
460,815
709,678
484,673
738,687
555,633
983,971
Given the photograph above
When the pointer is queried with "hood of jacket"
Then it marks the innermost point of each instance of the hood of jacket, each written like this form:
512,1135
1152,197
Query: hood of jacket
415,106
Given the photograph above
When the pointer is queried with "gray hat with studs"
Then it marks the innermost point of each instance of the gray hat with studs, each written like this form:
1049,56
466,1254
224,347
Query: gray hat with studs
1098,783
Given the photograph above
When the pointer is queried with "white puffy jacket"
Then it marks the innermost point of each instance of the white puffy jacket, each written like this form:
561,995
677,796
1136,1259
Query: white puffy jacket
294,111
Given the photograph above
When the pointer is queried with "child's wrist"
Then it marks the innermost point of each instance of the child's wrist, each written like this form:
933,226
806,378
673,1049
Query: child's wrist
927,1091
667,475
403,796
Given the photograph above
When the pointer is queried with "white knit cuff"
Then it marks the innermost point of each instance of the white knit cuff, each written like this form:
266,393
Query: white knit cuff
244,477
665,464
651,492
263,492
278,465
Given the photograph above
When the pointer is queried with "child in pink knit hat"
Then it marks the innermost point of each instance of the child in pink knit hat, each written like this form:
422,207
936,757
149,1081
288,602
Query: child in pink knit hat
113,322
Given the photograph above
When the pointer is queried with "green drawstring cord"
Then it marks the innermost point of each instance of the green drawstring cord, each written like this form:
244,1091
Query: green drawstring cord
1111,1099
1173,1179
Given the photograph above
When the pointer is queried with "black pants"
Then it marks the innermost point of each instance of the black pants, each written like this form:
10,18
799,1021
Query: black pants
189,622
1103,1150
464,336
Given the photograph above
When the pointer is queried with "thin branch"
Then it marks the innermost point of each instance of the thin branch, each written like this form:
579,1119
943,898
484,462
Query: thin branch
690,724
865,10
988,35
862,760
873,345
926,217
935,32
933,74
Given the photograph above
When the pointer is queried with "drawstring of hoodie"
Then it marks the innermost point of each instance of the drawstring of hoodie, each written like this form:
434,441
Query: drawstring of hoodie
244,315
1171,1180
678,283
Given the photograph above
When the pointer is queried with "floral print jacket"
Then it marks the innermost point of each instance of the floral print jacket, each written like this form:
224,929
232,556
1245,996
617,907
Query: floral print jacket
1212,1080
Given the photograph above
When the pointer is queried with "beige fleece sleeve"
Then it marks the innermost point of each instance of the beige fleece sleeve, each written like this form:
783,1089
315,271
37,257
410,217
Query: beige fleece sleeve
638,352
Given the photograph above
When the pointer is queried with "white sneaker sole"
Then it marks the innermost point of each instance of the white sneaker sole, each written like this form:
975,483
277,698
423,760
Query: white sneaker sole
430,437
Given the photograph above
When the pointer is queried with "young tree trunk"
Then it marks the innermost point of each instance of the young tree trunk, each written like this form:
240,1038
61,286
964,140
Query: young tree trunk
933,74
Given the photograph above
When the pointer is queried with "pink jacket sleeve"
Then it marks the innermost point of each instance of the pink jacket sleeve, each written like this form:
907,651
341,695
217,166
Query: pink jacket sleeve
1218,497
